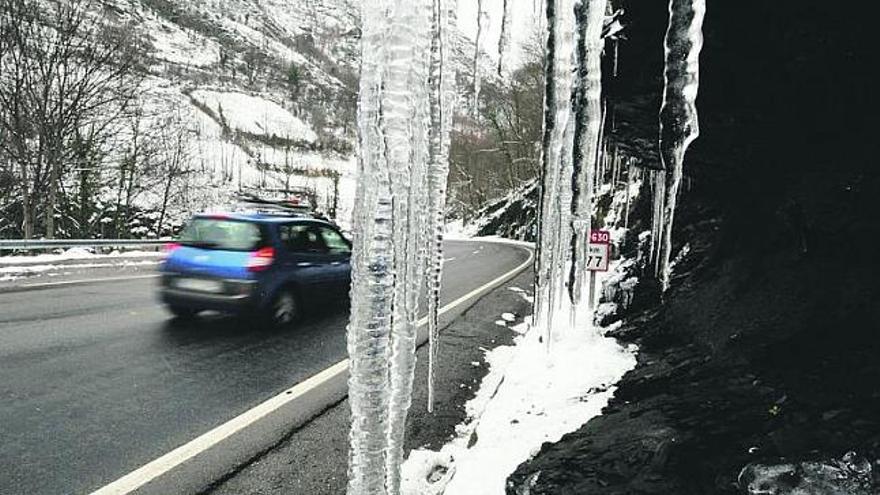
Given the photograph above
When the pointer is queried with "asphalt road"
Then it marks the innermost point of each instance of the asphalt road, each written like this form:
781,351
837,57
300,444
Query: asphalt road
96,379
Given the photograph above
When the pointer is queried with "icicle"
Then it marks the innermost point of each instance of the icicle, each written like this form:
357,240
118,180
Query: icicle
407,108
590,14
613,168
658,181
678,114
387,263
600,150
442,98
475,104
557,110
563,229
629,176
504,39
372,284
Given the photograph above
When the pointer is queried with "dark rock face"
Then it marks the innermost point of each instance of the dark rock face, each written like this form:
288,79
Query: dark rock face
767,348
513,217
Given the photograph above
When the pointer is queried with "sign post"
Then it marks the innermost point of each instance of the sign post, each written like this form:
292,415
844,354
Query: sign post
598,258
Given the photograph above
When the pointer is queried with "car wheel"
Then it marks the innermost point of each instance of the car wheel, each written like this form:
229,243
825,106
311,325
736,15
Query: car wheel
285,309
182,312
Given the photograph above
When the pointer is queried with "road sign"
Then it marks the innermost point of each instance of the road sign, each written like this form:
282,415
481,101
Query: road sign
599,251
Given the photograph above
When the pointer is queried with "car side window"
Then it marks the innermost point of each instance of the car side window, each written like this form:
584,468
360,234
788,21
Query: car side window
301,238
336,244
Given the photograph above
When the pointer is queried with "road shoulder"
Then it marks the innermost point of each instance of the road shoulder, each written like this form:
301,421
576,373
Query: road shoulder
313,459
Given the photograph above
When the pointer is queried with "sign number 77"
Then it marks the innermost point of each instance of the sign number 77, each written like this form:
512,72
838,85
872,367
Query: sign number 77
599,251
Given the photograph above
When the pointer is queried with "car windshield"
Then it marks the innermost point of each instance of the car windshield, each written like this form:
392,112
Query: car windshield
222,234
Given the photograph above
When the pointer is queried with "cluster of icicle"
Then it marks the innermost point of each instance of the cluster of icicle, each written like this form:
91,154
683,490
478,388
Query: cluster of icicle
570,151
404,115
679,126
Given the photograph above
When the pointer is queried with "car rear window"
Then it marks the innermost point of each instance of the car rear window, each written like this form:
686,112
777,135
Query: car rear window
222,234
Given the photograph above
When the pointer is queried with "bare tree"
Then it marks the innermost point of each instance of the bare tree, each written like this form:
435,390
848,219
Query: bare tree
63,69
490,160
174,163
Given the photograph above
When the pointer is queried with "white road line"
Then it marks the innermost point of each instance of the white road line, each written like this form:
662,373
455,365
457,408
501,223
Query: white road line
85,281
143,475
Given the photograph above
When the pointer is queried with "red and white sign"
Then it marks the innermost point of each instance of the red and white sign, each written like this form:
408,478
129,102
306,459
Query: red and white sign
599,251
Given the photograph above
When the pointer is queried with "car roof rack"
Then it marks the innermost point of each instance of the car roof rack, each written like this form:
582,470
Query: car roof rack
251,204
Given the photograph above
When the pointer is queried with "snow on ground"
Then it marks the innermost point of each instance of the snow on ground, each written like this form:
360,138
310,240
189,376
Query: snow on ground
74,254
255,115
529,397
17,267
11,273
177,45
456,229
525,295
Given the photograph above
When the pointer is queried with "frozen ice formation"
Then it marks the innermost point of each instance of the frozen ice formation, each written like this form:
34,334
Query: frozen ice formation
679,126
403,105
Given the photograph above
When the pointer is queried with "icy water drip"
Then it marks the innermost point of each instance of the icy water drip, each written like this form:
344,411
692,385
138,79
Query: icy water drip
679,126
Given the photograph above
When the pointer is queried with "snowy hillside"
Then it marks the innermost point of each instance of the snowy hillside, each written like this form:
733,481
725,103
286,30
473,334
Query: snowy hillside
207,99
266,91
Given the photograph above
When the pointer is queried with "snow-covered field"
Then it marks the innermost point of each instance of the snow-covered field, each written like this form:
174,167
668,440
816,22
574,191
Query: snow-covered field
219,166
255,115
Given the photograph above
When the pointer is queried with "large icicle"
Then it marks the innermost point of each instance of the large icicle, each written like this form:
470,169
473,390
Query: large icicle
678,114
372,284
504,38
563,232
475,103
557,111
407,108
658,189
390,238
590,16
442,98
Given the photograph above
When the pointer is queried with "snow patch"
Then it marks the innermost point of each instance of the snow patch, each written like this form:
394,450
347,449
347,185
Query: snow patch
30,270
528,397
76,253
456,230
255,115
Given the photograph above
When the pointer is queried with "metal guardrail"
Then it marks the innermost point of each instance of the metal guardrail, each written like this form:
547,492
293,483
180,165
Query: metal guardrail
22,244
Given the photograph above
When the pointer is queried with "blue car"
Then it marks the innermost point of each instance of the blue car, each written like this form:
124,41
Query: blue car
268,265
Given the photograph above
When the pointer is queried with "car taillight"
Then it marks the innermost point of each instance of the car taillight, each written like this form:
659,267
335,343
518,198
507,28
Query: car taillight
261,259
169,248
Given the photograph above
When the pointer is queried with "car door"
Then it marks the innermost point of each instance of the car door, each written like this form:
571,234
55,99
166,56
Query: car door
306,260
339,253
